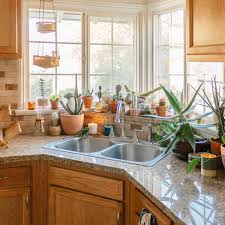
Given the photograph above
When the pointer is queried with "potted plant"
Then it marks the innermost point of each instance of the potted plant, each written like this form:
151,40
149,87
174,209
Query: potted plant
72,121
42,102
162,108
88,98
54,102
116,98
217,107
179,129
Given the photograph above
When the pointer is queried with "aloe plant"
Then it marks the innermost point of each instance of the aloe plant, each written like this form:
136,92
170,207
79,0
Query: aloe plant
180,127
74,103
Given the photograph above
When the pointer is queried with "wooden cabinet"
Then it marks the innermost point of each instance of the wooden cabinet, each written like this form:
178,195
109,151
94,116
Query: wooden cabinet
78,198
14,206
15,196
138,202
205,30
10,29
68,207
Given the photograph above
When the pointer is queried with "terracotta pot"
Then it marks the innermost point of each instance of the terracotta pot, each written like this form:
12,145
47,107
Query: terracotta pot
223,154
215,146
87,101
161,111
42,102
54,130
113,106
54,104
72,124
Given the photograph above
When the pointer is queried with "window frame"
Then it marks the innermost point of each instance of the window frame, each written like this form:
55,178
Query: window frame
96,10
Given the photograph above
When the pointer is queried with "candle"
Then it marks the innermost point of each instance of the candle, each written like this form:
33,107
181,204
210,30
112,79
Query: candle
209,164
93,128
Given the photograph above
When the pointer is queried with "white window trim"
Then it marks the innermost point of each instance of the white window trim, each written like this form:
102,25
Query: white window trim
90,8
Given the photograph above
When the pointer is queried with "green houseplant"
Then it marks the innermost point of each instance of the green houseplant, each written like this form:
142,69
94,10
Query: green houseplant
72,121
88,99
54,102
42,102
179,129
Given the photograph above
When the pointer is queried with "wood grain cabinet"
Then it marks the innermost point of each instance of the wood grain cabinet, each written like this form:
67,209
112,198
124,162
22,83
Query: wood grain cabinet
10,29
77,198
139,202
15,196
205,30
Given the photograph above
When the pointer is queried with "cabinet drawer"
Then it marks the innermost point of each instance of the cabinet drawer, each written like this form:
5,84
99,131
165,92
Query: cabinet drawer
15,177
88,183
141,202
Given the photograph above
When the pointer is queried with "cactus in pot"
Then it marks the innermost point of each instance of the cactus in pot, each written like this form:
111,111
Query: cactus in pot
88,99
117,97
42,102
72,121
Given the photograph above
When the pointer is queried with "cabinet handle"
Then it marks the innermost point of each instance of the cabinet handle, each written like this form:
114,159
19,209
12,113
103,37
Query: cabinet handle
28,207
3,178
118,218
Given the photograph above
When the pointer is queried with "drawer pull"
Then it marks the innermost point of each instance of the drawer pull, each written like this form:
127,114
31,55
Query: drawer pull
3,178
118,218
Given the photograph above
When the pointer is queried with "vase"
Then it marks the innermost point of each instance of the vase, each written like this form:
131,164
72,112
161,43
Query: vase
72,124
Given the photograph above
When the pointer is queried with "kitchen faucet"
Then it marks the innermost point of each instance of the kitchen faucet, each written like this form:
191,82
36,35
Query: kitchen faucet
120,114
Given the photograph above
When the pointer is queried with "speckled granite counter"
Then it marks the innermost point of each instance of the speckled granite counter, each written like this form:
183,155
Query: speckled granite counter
186,199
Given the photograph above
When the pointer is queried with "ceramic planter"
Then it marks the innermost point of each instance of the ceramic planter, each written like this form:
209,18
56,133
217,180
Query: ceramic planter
215,146
161,111
223,154
107,129
54,104
87,101
42,102
72,124
54,130
113,106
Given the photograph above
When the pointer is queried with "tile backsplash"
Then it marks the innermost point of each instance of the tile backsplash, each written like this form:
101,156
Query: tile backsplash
9,73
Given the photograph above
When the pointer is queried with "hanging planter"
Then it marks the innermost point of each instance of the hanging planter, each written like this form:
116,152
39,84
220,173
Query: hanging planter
46,61
44,25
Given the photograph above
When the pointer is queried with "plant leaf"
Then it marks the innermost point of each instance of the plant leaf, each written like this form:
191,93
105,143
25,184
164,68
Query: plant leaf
199,117
223,138
192,164
189,135
172,144
172,100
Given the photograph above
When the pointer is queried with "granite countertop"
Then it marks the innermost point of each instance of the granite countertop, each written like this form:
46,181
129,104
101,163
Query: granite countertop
186,199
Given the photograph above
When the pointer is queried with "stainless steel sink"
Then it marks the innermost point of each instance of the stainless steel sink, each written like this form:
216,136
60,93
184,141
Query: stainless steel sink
146,155
135,153
81,145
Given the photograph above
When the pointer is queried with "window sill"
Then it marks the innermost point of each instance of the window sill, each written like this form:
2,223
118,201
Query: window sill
26,112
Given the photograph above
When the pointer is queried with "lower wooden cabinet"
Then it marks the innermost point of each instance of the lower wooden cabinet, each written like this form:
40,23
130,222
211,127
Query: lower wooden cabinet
138,203
68,207
15,206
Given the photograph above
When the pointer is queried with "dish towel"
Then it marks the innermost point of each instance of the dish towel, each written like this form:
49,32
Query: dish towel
145,219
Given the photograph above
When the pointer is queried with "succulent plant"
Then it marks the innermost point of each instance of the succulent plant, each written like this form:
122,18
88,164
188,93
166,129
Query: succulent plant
88,93
99,94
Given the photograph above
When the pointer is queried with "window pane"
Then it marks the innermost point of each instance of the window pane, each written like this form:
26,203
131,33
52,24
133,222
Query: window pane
164,29
123,63
67,83
177,36
123,31
40,49
176,58
104,81
34,35
69,27
101,30
34,86
70,59
100,59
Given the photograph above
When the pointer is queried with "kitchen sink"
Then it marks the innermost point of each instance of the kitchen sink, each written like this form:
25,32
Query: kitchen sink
135,153
146,155
81,145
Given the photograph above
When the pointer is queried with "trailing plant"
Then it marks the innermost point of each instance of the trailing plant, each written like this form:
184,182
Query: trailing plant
180,127
41,85
74,102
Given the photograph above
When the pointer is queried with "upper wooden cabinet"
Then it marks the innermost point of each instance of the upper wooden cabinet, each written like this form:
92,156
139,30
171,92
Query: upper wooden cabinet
10,29
205,30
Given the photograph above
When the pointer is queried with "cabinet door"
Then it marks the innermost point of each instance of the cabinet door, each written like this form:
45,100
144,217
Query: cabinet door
10,28
68,207
14,206
139,202
206,30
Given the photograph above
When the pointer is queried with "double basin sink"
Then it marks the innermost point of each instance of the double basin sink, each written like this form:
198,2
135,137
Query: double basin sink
141,154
